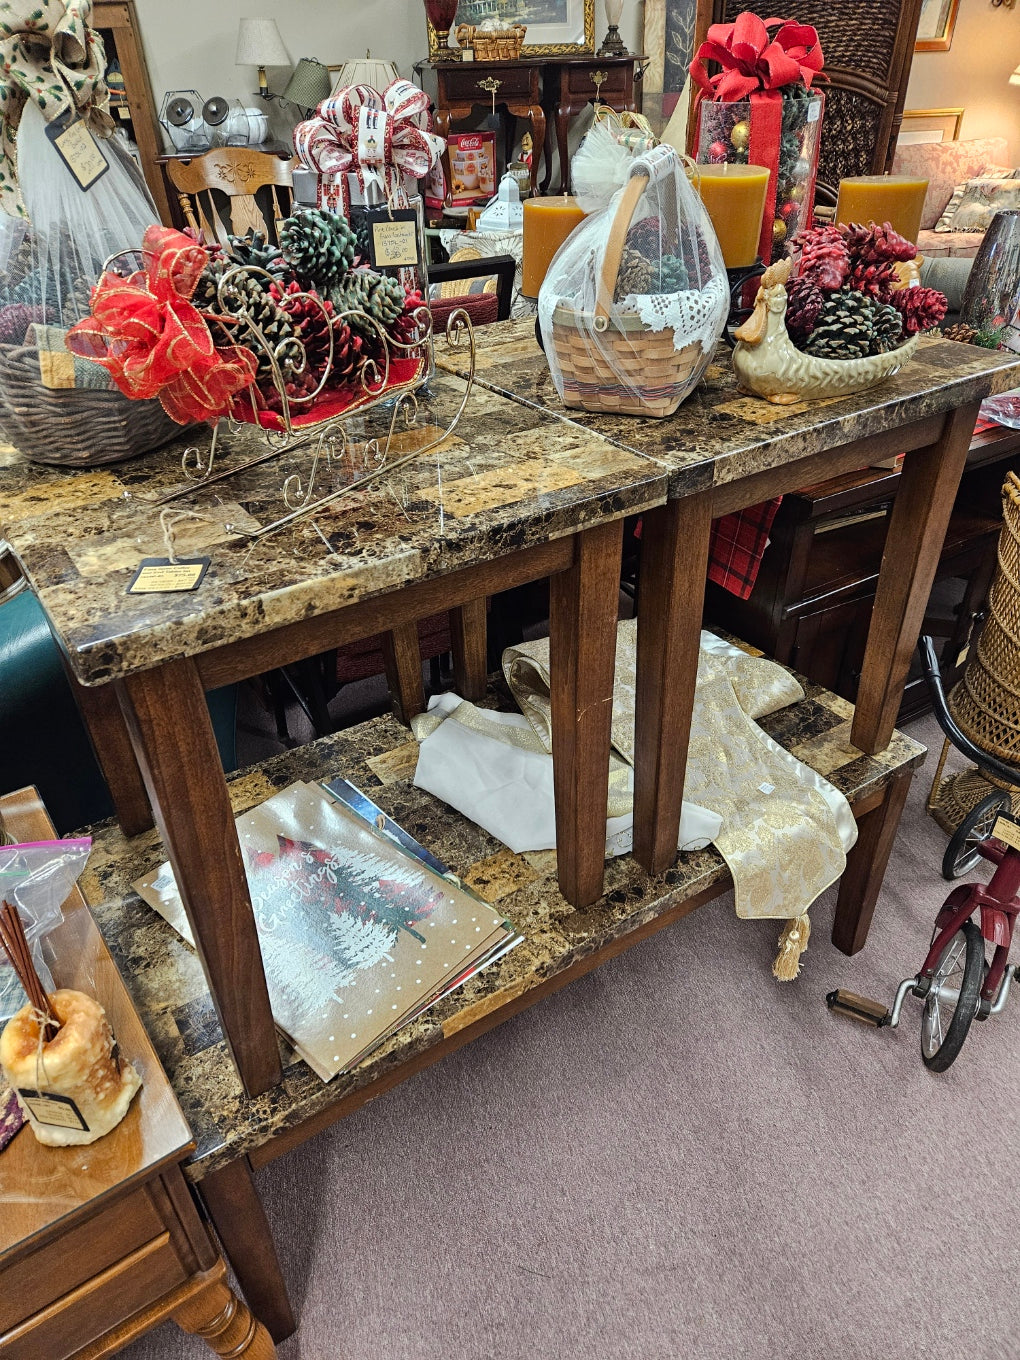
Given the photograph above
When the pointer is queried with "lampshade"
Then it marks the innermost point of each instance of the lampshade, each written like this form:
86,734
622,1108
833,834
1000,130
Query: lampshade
1015,77
366,70
259,44
309,84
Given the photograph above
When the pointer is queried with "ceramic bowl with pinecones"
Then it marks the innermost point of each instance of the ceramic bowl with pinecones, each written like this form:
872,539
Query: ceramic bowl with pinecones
840,315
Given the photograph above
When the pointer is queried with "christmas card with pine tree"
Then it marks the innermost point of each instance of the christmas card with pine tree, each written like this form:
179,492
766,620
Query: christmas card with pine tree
357,936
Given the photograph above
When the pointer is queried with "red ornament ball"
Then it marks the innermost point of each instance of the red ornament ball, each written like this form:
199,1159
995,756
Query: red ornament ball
717,153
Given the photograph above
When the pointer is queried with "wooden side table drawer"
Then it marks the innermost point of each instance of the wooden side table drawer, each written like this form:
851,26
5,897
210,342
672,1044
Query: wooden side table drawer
82,1251
468,83
582,82
97,1305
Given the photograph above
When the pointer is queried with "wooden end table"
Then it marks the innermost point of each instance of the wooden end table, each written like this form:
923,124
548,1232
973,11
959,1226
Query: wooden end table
99,1244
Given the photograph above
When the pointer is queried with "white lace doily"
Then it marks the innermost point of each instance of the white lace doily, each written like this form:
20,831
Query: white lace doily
693,315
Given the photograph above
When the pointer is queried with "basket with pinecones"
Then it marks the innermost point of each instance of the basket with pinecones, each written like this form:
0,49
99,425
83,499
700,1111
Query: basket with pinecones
842,313
329,333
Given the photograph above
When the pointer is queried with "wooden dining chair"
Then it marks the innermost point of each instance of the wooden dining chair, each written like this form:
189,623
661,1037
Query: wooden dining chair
237,173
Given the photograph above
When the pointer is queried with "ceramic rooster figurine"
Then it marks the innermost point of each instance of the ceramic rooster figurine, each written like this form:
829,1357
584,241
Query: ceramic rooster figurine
769,364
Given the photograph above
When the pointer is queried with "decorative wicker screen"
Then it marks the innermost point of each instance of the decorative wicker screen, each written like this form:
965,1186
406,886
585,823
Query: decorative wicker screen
868,47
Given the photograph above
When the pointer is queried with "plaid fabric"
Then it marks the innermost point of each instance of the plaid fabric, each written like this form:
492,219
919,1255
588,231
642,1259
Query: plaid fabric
737,546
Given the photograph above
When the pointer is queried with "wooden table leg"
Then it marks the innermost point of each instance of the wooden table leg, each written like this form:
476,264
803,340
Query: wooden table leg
913,545
111,743
240,1221
583,610
865,867
173,740
468,636
671,595
402,656
223,1322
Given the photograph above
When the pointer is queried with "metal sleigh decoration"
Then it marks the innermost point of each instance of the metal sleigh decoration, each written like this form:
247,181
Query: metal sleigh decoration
298,427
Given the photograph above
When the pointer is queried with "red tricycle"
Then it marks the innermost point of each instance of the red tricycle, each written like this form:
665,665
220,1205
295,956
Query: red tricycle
956,982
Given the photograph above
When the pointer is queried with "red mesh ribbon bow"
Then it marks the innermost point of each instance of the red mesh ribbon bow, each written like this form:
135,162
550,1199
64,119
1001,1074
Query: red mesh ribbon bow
379,138
154,342
752,59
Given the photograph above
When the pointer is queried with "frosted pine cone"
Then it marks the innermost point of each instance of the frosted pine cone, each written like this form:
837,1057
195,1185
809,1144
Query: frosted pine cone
887,329
822,258
635,275
920,308
871,244
804,301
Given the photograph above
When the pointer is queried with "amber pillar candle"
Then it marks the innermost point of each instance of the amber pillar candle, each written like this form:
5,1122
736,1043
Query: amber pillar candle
734,196
897,199
547,224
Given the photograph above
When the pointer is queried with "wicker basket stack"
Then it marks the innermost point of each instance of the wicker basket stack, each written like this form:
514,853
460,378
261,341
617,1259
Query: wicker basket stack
74,427
986,702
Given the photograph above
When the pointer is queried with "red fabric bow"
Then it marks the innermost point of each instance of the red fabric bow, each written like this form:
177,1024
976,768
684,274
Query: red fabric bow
154,342
753,60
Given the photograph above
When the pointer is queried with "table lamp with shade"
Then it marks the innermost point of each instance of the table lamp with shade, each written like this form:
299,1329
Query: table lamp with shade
309,85
259,44
366,70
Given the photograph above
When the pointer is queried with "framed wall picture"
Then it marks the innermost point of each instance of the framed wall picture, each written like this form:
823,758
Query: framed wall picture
669,45
556,28
930,125
935,28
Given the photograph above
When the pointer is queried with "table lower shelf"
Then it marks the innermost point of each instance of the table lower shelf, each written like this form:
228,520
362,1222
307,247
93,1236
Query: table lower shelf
168,988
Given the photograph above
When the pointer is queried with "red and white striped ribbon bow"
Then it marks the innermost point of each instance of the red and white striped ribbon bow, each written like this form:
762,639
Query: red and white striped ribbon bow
379,138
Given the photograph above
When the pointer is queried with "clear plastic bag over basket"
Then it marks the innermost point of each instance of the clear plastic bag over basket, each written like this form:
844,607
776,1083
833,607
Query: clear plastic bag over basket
636,298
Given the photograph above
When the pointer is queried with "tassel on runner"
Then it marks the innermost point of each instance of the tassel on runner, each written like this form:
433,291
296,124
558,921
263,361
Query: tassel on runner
793,941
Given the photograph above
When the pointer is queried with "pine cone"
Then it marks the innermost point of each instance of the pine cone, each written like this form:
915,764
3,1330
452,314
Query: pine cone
822,258
961,332
648,238
256,251
672,275
871,244
243,296
319,245
312,320
363,291
804,302
877,280
844,328
636,274
16,318
920,308
887,329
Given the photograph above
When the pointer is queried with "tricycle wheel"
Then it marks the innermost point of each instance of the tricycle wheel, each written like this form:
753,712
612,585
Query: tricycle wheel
952,999
961,852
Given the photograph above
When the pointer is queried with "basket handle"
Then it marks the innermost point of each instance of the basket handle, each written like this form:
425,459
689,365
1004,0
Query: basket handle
625,210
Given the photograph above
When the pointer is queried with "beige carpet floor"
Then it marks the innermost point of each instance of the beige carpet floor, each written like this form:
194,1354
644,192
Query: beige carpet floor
676,1158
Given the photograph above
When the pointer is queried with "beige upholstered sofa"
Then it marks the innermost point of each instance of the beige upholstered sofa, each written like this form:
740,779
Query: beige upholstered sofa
945,165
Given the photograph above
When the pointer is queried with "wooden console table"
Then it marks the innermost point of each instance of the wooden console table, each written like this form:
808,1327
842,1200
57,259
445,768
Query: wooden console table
515,496
99,1244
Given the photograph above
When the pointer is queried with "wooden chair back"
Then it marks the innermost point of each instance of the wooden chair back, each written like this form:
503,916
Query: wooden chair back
868,46
237,172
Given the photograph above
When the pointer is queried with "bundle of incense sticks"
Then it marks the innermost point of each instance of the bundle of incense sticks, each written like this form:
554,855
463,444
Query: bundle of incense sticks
15,943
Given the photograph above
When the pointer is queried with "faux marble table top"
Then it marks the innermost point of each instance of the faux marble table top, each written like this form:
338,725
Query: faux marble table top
509,477
719,435
168,988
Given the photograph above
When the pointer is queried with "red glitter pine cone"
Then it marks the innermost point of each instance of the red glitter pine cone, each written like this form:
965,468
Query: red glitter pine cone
874,244
804,301
822,258
921,308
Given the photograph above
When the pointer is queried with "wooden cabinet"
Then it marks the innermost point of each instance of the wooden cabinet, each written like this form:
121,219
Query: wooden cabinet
118,25
812,603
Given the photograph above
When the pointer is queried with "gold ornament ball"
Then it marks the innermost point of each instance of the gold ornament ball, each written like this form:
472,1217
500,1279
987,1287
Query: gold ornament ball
740,134
778,231
797,193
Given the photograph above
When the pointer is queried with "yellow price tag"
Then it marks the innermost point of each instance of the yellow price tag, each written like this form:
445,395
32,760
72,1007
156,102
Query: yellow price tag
1006,831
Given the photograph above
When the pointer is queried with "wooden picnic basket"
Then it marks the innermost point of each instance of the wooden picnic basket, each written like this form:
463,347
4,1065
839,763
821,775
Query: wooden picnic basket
625,366
492,44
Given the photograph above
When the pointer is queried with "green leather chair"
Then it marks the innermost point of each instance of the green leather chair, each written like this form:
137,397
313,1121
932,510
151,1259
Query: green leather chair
43,740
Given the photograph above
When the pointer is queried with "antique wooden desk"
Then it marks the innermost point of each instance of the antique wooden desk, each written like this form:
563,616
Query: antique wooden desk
99,1244
237,1134
516,496
722,452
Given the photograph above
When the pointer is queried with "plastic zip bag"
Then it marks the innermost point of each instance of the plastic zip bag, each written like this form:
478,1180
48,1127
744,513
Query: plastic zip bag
36,877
